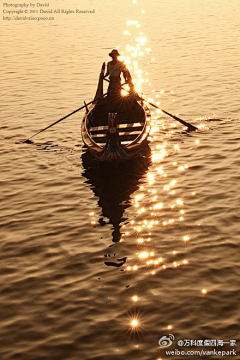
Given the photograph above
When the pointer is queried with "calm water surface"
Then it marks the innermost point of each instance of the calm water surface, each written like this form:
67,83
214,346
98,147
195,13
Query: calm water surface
85,253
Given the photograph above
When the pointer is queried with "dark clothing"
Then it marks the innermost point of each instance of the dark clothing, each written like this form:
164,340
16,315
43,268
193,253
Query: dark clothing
114,94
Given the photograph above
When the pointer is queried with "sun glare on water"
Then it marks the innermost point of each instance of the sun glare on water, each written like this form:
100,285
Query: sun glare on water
158,203
134,323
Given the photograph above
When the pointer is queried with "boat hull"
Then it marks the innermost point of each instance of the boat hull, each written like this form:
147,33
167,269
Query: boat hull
127,142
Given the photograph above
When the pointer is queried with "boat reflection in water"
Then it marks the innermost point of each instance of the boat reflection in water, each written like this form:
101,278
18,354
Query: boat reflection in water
114,186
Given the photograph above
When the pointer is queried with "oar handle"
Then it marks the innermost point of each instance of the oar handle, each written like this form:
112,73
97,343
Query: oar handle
121,84
189,126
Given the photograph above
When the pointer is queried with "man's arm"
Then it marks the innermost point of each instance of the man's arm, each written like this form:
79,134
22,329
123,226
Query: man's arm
128,78
125,72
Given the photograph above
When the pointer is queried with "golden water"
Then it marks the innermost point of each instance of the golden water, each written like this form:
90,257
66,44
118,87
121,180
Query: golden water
177,217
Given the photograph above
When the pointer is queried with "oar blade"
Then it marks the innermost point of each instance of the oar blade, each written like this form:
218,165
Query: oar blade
28,141
190,127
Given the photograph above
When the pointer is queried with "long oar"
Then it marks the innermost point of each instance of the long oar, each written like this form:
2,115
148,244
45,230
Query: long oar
190,127
63,118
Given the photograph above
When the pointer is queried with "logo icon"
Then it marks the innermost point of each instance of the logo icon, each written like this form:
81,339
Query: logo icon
166,341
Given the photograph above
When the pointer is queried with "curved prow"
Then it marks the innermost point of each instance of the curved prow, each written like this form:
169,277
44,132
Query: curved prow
112,132
99,91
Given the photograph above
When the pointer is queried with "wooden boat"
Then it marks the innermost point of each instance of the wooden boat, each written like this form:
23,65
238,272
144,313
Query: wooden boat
114,136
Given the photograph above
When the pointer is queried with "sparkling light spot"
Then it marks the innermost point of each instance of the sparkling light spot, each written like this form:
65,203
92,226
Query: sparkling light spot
135,298
181,168
150,178
169,327
204,291
158,206
139,197
143,255
134,323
